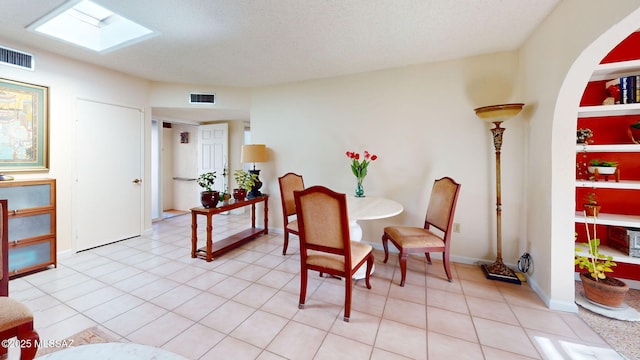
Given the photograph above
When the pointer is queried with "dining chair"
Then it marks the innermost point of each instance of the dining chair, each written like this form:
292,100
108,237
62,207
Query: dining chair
409,239
16,320
325,244
289,183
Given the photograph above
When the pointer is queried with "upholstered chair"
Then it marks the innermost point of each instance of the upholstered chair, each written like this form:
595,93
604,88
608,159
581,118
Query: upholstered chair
422,240
289,183
325,244
16,320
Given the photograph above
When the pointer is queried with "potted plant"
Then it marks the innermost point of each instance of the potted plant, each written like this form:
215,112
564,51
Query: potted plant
245,181
603,167
209,197
583,136
598,287
634,132
591,206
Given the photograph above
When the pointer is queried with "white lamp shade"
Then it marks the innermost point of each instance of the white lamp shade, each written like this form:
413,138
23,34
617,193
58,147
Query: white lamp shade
498,113
253,153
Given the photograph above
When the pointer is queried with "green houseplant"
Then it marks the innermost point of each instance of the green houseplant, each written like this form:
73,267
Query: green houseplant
598,286
245,181
591,206
602,167
208,197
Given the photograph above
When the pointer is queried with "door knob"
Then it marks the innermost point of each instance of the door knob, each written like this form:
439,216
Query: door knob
137,181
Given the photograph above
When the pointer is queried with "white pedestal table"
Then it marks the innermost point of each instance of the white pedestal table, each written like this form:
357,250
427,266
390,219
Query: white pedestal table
368,208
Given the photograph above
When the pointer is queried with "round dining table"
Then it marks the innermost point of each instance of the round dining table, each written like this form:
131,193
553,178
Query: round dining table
368,208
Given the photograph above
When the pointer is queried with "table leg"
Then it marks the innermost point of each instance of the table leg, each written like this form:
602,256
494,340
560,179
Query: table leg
253,216
194,234
209,237
355,233
266,217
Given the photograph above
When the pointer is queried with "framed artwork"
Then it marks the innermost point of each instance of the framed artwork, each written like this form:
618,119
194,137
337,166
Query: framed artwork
24,127
184,137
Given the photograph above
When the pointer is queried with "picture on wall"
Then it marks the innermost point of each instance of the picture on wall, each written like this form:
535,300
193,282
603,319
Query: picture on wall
24,122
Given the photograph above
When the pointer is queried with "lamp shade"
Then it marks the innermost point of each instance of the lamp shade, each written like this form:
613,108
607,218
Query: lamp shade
498,113
253,153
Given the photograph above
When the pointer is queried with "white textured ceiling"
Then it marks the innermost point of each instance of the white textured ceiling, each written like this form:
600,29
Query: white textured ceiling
262,42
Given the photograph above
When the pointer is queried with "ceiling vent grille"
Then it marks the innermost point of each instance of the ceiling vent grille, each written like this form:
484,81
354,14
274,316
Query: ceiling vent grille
16,58
202,98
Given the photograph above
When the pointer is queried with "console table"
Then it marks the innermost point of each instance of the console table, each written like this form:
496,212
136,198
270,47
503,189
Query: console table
213,249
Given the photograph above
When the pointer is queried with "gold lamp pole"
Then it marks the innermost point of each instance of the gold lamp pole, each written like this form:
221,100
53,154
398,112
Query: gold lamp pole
497,114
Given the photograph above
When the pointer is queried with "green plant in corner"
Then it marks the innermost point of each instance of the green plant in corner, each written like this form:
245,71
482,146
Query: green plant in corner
596,263
206,180
244,179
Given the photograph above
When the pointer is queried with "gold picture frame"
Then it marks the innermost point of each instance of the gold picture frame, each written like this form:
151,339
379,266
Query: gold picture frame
24,127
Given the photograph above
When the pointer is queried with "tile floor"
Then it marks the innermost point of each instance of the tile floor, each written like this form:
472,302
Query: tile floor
243,305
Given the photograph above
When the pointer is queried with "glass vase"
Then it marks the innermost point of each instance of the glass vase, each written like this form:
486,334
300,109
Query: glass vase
359,188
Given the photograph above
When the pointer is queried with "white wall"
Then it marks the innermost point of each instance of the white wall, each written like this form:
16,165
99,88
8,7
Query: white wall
420,121
67,81
547,57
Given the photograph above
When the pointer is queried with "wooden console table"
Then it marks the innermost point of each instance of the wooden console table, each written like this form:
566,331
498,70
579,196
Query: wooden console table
212,249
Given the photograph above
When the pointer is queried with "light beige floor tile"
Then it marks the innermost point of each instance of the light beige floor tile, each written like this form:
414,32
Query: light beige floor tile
339,348
361,327
161,330
283,303
482,289
259,329
255,295
175,297
409,292
94,298
492,310
134,319
251,272
319,314
498,354
448,347
275,278
297,341
452,301
451,323
114,307
231,348
155,288
199,306
229,287
227,316
406,312
402,339
543,320
194,342
505,337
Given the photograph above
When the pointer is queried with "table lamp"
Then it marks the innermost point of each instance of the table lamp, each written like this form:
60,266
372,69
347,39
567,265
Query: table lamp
497,114
252,154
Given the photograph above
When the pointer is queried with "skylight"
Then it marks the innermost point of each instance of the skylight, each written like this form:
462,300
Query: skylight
89,25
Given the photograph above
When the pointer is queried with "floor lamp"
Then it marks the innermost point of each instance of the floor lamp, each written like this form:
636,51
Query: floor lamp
497,114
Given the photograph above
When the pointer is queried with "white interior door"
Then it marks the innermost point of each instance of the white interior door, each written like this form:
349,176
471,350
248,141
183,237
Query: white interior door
213,146
108,194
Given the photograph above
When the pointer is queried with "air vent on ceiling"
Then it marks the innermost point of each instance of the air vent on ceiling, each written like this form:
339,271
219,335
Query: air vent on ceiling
16,58
202,98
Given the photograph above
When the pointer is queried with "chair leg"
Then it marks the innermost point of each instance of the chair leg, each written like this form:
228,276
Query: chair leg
303,288
403,266
447,268
347,297
428,256
369,268
385,245
31,339
286,242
